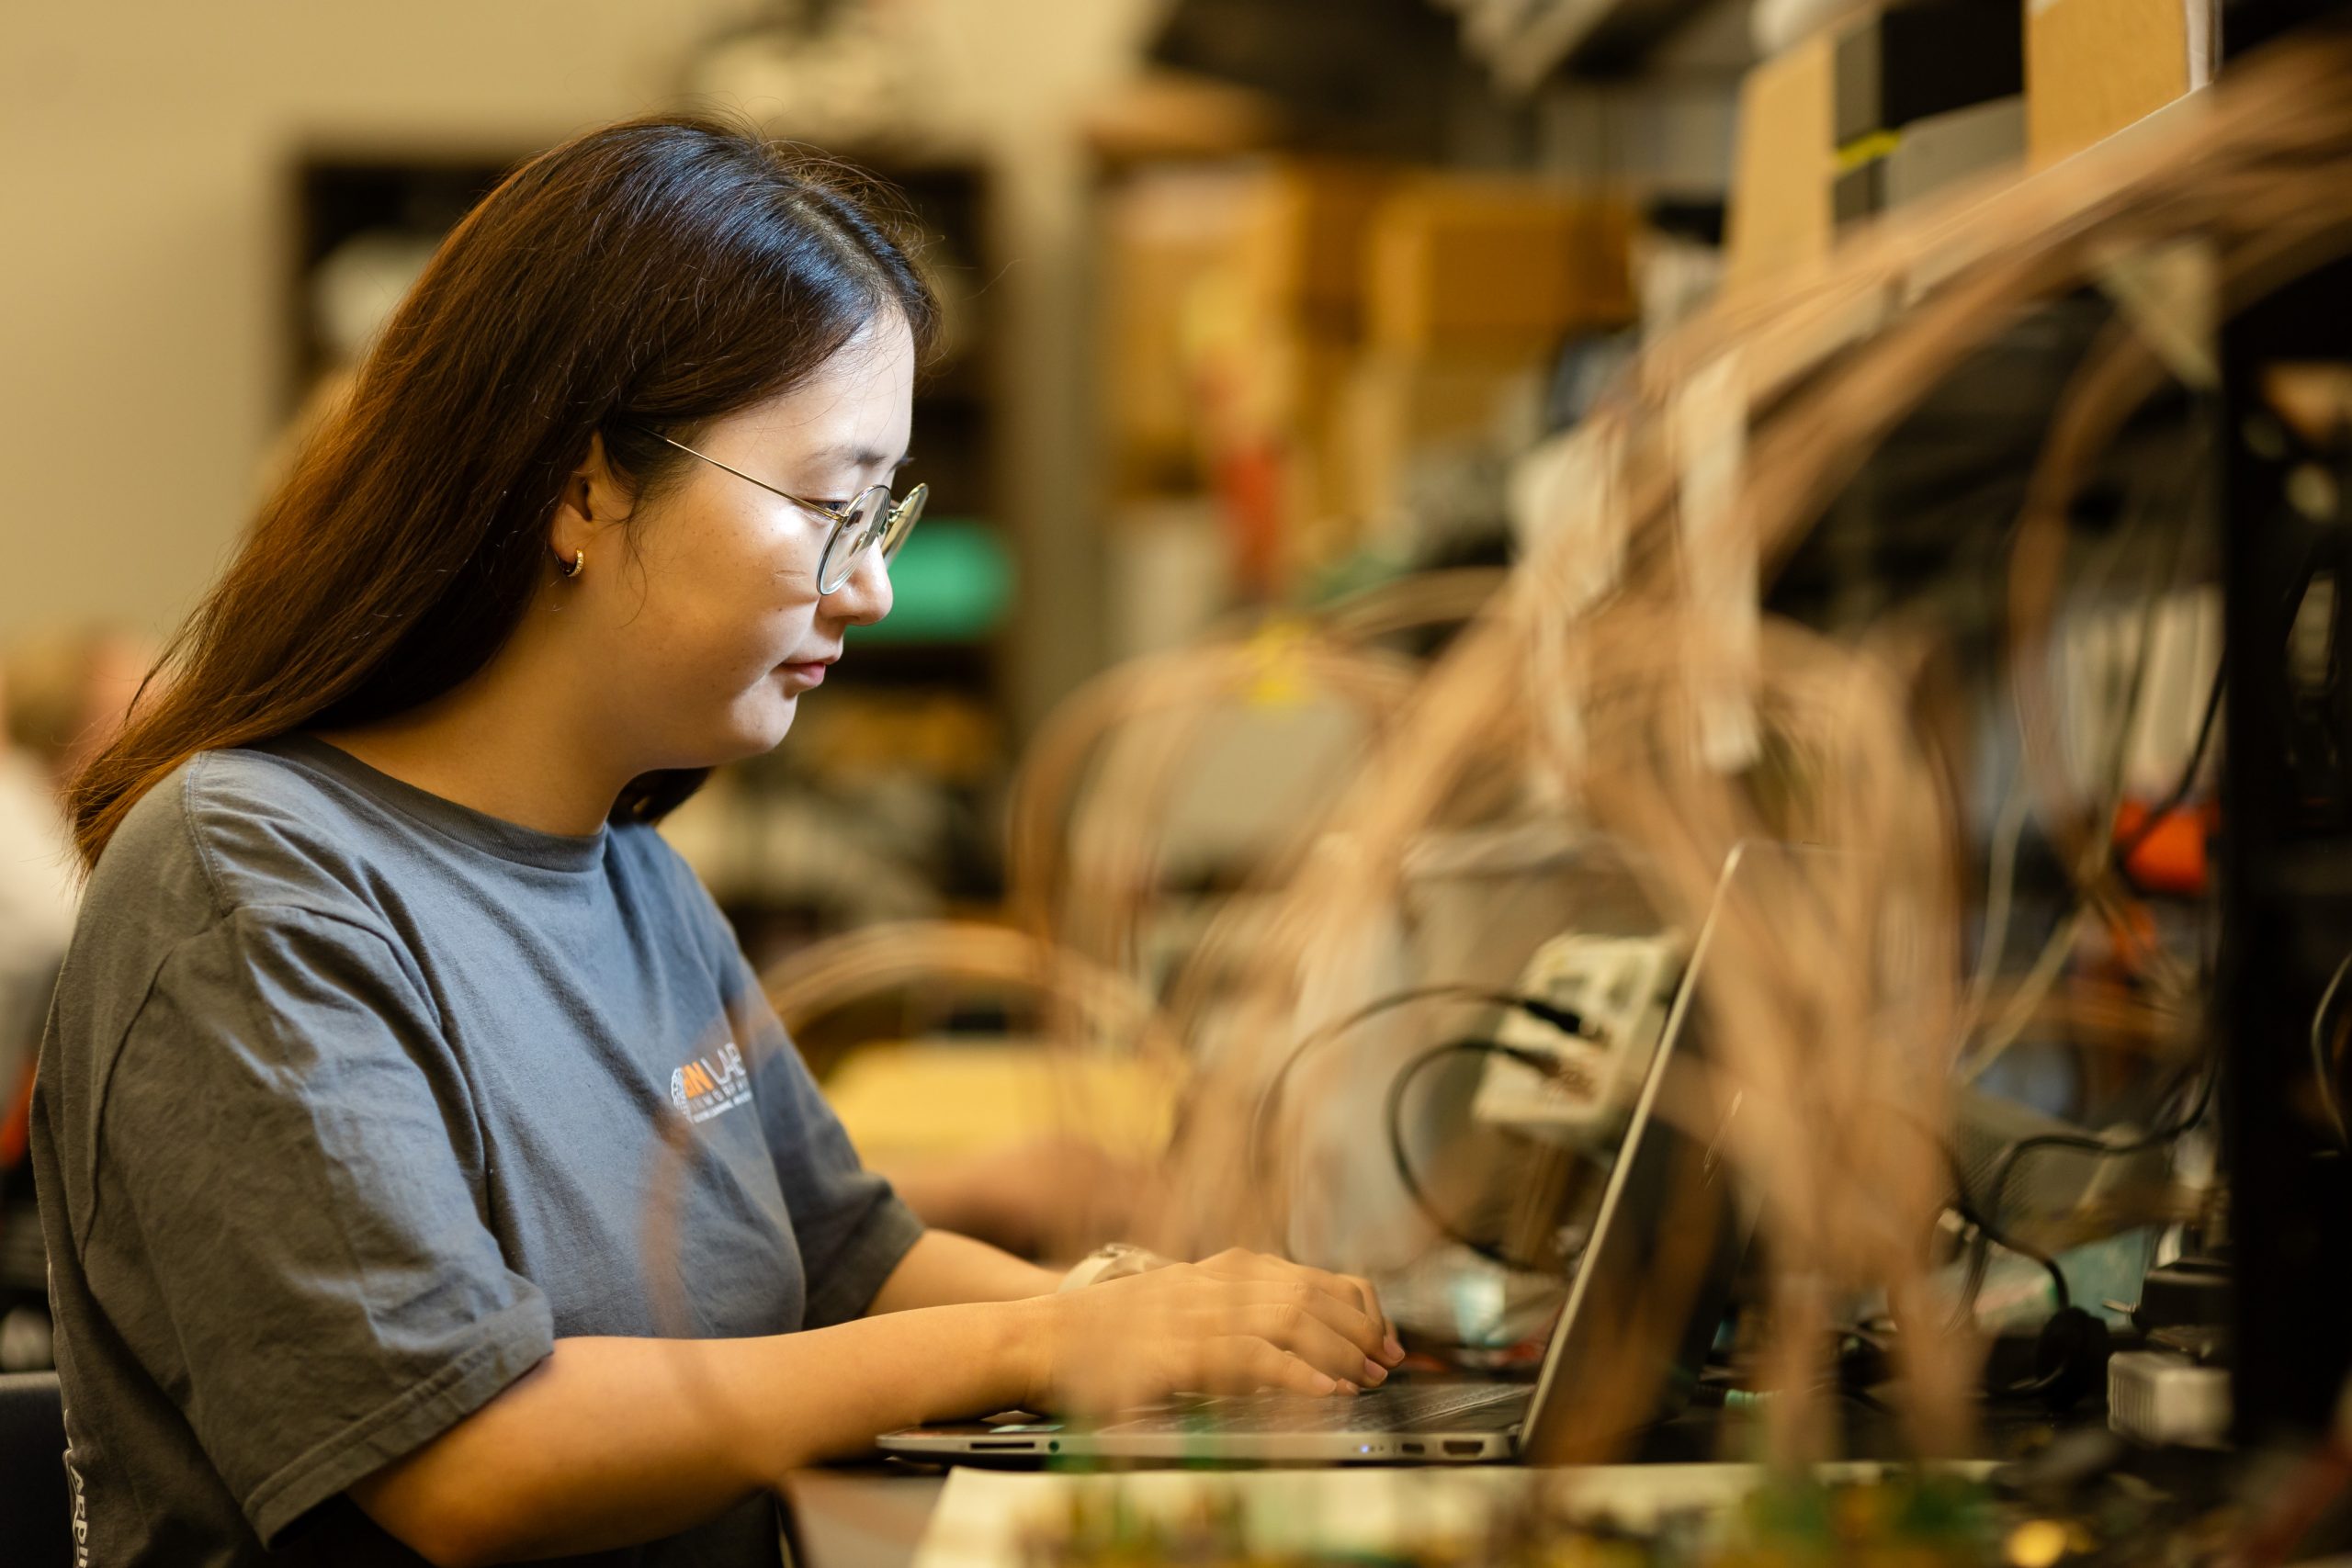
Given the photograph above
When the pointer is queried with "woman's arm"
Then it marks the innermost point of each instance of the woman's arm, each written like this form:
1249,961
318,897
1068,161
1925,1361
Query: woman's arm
610,1442
944,1269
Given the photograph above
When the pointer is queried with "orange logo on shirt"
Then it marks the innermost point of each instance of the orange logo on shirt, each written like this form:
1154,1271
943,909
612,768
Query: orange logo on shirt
707,1086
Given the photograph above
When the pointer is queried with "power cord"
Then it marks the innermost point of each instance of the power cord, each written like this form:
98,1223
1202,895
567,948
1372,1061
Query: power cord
2073,1343
2100,1148
2070,1344
2181,790
1566,1020
1986,1231
1270,1098
1397,1089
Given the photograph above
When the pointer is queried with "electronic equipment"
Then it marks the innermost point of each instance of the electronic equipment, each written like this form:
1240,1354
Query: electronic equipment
2161,1397
2286,848
1622,987
1473,1417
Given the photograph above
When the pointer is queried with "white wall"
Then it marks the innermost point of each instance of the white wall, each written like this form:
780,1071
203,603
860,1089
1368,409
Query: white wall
145,156
145,149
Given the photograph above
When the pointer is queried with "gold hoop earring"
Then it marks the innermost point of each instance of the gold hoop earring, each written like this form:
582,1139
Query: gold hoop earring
579,563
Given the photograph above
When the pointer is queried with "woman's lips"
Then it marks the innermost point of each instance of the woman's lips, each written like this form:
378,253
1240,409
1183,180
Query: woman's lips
811,671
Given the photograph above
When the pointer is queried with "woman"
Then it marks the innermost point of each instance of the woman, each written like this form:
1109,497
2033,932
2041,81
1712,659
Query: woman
421,1171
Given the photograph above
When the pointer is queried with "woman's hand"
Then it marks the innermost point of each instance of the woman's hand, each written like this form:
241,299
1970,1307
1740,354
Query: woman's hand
610,1442
1238,1322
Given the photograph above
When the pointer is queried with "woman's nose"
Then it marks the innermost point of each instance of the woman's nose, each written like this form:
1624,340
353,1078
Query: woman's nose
864,598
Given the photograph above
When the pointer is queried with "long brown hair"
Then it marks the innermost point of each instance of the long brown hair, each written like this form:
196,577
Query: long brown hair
636,281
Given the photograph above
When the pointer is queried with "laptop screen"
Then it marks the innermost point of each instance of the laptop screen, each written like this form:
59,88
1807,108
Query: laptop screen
1652,1282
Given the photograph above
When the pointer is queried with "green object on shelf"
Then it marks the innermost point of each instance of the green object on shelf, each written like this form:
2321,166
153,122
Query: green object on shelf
952,582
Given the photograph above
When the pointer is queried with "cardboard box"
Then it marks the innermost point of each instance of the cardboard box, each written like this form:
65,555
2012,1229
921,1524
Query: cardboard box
1468,266
1785,164
1232,298
1396,410
1166,234
1300,250
1824,125
1278,393
2094,66
1284,396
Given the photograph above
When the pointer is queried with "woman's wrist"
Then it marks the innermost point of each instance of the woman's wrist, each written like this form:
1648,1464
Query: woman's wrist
1026,1331
1115,1261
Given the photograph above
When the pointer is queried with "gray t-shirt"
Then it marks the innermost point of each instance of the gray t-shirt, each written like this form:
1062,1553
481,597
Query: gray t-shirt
353,1101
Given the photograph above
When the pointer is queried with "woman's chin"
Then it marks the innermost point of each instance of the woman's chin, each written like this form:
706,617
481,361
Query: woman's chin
776,711
745,734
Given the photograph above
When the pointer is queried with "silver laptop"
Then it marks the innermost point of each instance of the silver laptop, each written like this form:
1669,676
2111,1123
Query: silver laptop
1459,1419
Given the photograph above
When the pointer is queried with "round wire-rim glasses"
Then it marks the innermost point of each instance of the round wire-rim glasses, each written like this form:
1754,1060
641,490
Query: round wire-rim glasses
867,519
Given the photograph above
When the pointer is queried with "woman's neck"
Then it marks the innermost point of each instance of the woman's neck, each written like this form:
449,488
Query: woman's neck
498,744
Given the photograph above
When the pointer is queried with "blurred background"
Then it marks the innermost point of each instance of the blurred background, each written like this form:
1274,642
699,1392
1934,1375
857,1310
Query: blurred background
1249,302
1253,306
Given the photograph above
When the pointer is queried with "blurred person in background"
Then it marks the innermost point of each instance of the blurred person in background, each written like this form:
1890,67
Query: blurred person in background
423,1172
70,692
36,898
63,696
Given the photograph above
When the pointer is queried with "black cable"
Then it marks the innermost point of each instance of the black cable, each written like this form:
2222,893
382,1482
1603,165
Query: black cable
1397,1152
1566,1020
2062,1365
2033,1387
2187,784
1964,1205
2098,1147
2006,1162
2002,1238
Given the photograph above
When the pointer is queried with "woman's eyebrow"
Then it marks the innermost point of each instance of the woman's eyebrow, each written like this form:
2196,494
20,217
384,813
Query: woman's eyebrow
864,458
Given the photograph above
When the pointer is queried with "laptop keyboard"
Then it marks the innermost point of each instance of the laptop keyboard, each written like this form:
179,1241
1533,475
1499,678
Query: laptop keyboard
1389,1409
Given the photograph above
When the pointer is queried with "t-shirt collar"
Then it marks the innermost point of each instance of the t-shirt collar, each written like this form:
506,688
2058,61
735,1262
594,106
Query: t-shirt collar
493,835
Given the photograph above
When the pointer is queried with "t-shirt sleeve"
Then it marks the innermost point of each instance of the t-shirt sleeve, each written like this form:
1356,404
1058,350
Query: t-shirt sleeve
852,1228
285,1230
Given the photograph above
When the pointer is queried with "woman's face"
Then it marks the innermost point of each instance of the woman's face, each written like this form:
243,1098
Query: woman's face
708,615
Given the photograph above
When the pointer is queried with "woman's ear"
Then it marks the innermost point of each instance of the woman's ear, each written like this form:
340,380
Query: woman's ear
591,502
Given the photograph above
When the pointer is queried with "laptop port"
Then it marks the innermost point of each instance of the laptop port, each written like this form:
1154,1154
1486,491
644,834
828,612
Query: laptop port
1415,1449
1465,1447
1022,1444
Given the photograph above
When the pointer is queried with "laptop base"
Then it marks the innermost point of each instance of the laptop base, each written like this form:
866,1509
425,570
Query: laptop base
1453,1422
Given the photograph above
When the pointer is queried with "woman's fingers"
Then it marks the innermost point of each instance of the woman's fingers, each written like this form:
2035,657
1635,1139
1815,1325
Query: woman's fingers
1240,1324
1350,1291
1293,1327
1365,1335
1243,1363
1392,1350
1357,1291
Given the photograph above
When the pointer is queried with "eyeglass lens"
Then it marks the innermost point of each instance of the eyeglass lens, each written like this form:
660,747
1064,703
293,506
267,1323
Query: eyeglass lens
868,520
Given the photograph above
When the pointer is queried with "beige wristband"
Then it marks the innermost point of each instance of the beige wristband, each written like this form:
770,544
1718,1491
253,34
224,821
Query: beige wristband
1115,1261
